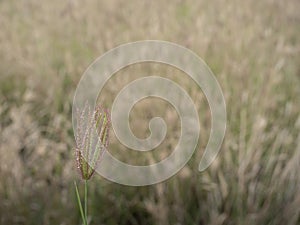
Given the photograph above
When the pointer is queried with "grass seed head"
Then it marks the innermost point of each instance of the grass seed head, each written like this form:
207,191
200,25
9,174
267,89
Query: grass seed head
92,138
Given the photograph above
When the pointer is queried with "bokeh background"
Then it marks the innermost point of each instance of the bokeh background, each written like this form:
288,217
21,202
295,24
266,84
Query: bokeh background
253,48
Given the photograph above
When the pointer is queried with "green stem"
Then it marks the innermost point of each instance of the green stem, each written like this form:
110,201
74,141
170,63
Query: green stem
79,204
85,199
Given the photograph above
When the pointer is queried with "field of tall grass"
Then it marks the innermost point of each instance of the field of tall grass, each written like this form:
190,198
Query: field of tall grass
252,47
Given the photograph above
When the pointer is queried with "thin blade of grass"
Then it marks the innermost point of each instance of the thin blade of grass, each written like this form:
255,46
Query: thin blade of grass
79,204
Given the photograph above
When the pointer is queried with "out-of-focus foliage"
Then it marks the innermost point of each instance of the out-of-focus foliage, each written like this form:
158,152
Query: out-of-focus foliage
253,47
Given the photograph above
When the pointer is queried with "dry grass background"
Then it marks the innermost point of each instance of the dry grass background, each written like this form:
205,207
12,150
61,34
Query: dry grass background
253,47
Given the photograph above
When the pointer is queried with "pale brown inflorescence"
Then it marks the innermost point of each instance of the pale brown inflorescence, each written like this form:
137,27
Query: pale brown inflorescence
92,138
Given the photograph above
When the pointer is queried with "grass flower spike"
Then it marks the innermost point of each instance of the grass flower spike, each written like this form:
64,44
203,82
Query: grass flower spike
91,139
92,136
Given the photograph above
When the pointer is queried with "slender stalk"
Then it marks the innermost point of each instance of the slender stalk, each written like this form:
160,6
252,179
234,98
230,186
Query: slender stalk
85,199
79,204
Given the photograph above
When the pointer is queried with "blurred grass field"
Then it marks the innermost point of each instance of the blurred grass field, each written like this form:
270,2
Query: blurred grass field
253,48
